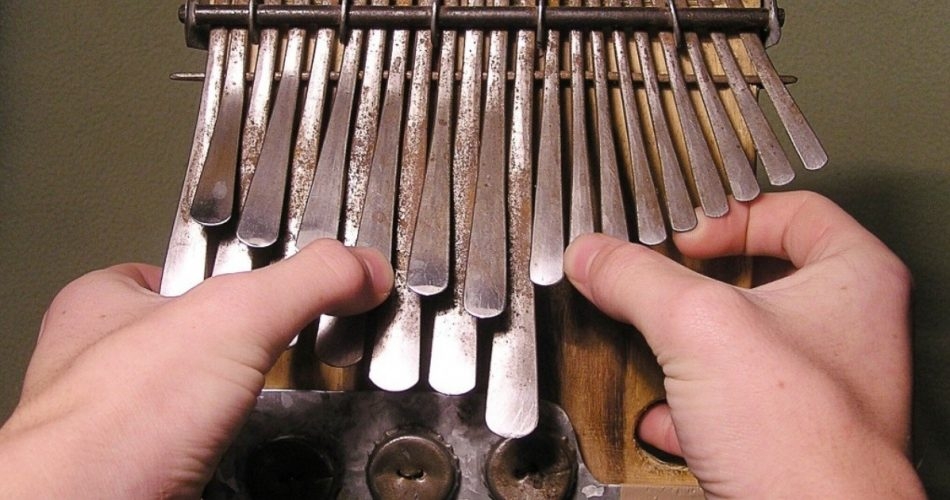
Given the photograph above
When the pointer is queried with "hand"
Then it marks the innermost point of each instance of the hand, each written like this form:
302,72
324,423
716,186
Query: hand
134,395
795,388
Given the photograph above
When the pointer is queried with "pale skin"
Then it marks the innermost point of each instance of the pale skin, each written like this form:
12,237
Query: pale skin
799,388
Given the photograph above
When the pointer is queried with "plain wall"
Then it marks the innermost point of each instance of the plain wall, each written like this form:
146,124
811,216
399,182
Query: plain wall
94,140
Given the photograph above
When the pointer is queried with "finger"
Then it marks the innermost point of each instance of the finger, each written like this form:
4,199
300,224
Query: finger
801,227
630,282
656,429
245,314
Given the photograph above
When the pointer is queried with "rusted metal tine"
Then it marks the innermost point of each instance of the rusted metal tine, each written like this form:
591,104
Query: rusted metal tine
773,159
232,255
260,222
394,365
308,136
806,143
739,170
213,203
679,207
486,281
582,208
403,310
651,228
712,195
340,340
453,366
429,263
613,219
186,258
547,236
321,217
511,406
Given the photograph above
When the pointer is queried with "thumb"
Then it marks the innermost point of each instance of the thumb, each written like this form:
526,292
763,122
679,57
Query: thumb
252,316
633,284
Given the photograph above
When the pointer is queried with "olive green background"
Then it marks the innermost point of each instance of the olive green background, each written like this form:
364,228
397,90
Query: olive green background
94,140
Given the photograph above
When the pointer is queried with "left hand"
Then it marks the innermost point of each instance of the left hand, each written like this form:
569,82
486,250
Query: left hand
133,395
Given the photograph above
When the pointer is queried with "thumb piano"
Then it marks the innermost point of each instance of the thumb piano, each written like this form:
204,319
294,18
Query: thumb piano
469,142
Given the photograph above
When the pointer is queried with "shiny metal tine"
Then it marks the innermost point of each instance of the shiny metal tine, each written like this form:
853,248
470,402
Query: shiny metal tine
452,369
511,405
651,229
739,170
582,207
804,139
321,217
712,195
429,265
547,237
773,159
679,207
186,258
214,196
613,219
260,222
486,281
394,365
340,340
234,256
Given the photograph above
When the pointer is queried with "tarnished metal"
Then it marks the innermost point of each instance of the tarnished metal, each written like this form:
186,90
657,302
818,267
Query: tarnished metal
582,207
547,235
712,196
651,229
260,222
613,219
186,258
486,279
465,18
213,203
452,369
799,131
541,466
512,392
739,171
678,205
412,463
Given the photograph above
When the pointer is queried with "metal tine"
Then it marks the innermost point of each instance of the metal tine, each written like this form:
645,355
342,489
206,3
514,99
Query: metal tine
260,221
613,219
511,405
486,281
214,196
308,137
712,195
678,205
321,217
582,208
547,237
452,369
395,360
806,143
186,259
340,340
234,256
773,159
739,170
651,229
429,265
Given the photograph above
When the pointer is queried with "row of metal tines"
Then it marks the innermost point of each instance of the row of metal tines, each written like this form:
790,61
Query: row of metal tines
470,158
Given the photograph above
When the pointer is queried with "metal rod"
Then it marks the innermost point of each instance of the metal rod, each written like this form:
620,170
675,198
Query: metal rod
462,18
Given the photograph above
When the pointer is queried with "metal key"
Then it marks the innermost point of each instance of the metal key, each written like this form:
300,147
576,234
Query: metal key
582,209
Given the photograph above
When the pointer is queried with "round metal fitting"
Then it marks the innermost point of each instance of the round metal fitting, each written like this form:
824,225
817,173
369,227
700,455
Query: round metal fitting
292,467
412,464
538,466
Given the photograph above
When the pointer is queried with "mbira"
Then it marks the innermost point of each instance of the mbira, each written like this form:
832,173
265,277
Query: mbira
469,143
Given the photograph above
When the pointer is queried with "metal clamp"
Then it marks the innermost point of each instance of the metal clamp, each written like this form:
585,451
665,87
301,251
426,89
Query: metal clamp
434,25
253,34
540,36
343,30
775,23
196,37
675,19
